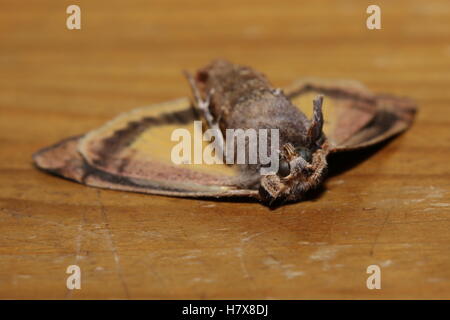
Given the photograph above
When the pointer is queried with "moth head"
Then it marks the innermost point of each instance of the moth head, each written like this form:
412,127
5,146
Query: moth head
300,170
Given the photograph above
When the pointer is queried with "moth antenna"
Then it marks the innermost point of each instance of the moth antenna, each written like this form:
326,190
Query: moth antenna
194,88
203,106
200,102
315,130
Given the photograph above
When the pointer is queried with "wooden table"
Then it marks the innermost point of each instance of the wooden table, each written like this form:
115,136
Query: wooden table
391,210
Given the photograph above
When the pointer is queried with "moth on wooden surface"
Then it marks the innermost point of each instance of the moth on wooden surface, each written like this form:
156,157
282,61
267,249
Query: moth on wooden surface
314,118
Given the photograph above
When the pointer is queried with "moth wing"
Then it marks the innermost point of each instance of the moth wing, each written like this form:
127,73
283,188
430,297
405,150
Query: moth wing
133,153
354,117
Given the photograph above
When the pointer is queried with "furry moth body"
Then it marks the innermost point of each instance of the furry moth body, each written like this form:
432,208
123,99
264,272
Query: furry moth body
131,152
233,96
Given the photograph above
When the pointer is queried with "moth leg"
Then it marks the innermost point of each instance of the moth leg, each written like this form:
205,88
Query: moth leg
203,106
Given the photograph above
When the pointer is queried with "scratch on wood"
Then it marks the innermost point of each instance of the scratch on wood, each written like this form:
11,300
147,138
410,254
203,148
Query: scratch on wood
246,239
325,253
372,250
286,269
112,245
240,254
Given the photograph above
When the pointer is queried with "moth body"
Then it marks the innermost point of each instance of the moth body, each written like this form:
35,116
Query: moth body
238,97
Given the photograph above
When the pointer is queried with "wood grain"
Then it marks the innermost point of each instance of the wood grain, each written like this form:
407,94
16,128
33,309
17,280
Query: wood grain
391,209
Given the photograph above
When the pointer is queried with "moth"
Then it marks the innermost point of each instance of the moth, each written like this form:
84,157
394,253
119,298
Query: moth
314,118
